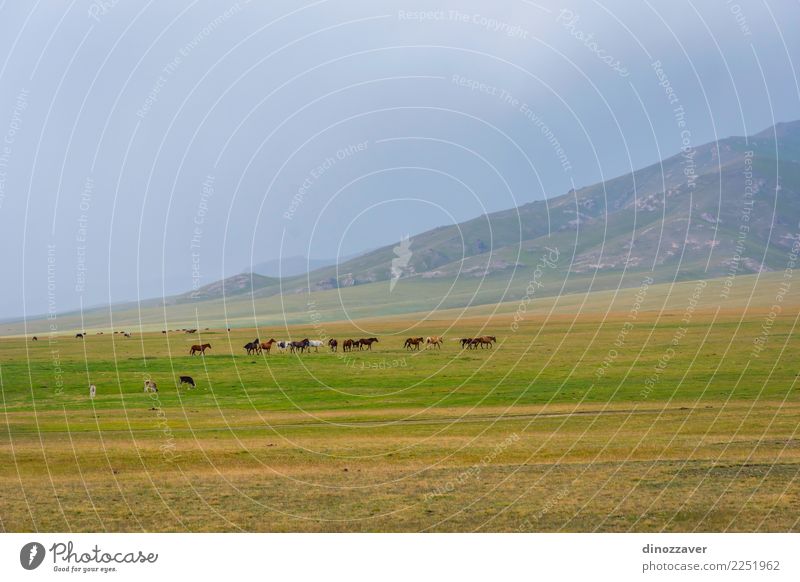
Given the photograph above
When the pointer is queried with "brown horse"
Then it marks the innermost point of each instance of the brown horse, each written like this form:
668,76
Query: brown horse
199,348
267,346
435,341
484,340
348,344
413,343
366,342
334,345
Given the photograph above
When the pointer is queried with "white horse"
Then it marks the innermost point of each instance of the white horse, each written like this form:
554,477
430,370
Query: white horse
316,344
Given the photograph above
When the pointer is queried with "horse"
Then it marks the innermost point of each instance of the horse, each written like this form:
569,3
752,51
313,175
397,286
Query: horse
253,347
92,391
316,344
150,386
366,342
485,340
78,335
126,334
434,341
267,346
413,343
191,330
186,380
334,345
301,345
282,345
35,339
348,344
199,348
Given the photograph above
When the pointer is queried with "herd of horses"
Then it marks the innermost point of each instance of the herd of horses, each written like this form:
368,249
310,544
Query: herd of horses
413,343
258,347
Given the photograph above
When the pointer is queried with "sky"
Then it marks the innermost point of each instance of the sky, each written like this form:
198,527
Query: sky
149,148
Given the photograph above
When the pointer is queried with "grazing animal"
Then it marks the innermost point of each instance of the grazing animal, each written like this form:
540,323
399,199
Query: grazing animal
191,330
282,345
316,344
78,335
253,347
366,342
483,341
150,386
199,348
267,346
348,344
126,334
334,345
465,342
163,331
92,391
435,341
301,345
186,380
413,343
35,339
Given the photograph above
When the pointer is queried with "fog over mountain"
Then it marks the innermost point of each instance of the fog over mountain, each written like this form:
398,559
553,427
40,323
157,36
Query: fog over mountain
149,151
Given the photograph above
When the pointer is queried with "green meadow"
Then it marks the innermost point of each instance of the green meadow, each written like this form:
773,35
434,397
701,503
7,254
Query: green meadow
658,407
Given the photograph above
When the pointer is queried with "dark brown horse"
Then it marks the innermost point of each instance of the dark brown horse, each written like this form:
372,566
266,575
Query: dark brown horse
334,345
413,343
348,344
483,341
366,342
199,348
253,347
186,380
301,345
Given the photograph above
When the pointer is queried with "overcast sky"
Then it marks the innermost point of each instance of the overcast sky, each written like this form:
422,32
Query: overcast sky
144,144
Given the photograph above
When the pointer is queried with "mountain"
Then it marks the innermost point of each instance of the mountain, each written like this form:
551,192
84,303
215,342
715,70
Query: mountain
294,266
726,208
290,266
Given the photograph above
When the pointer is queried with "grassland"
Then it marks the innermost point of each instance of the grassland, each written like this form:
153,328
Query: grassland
644,409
